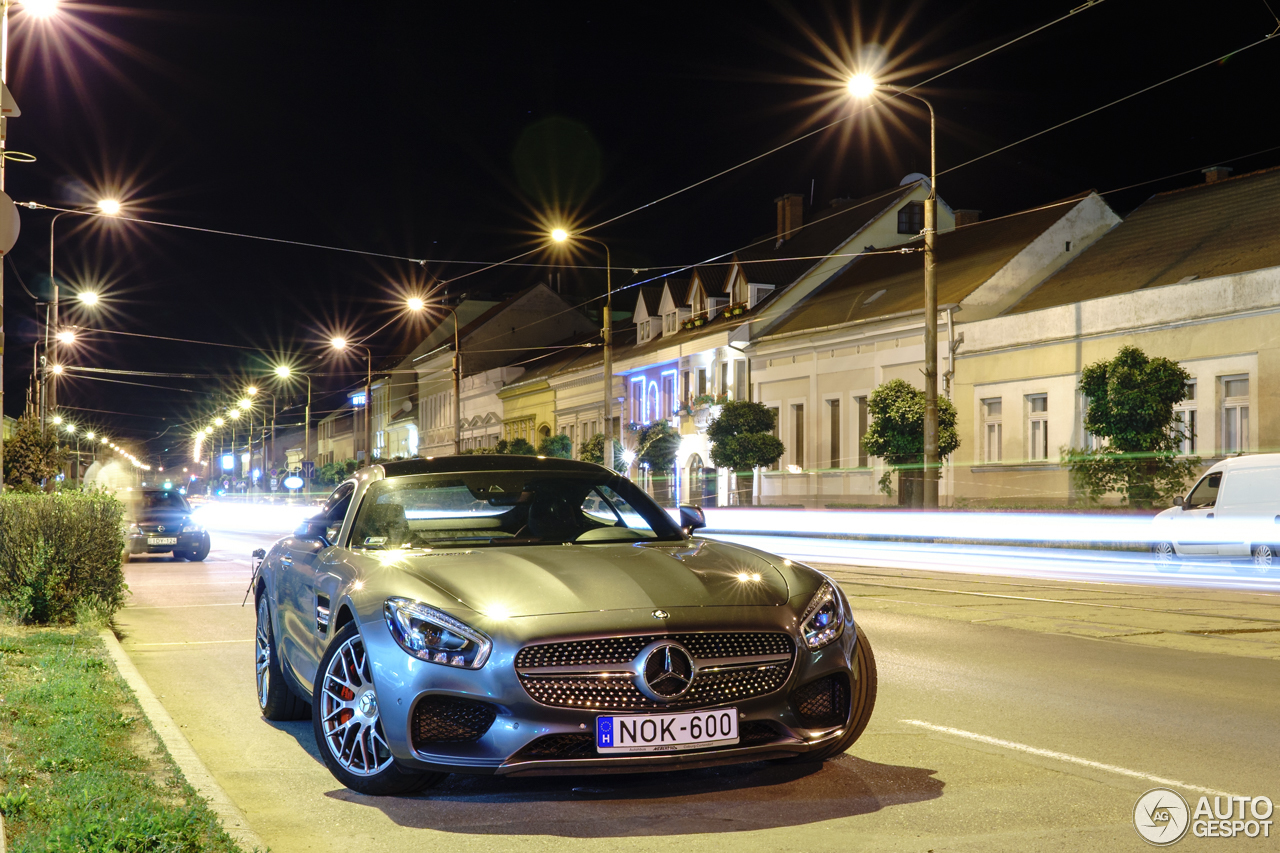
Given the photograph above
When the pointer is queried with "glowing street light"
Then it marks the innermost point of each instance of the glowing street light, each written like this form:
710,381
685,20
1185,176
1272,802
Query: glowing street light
246,404
57,419
251,390
560,235
88,297
862,86
284,371
234,414
218,422
57,369
66,336
109,206
40,8
414,303
338,343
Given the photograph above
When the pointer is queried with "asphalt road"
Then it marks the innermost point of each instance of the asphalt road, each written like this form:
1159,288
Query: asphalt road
984,738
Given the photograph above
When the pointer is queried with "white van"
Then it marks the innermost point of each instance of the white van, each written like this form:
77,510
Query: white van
1232,513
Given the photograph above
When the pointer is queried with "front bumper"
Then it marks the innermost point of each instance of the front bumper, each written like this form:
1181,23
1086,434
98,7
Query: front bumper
528,738
139,543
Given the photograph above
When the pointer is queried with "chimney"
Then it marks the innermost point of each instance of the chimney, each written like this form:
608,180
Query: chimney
1213,174
967,217
790,215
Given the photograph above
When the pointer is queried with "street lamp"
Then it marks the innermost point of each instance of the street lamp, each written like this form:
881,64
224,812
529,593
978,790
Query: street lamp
560,235
342,344
863,86
413,303
284,371
88,297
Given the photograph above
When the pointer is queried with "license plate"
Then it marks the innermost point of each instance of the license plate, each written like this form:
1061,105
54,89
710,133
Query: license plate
667,732
162,540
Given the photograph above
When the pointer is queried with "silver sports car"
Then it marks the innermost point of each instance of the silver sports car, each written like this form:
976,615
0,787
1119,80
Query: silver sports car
518,615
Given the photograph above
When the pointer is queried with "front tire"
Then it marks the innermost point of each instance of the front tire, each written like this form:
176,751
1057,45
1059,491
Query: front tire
201,551
275,700
1163,557
1264,559
861,703
348,723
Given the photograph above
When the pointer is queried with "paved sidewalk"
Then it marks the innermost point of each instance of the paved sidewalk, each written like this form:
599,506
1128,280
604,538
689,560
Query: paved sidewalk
1228,622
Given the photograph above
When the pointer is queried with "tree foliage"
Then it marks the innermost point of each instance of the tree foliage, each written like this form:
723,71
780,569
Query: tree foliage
1131,400
657,445
33,458
520,447
333,473
592,450
742,436
896,431
559,446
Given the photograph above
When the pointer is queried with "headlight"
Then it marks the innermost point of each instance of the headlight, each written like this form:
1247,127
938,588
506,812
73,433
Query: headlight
823,620
189,527
133,528
436,637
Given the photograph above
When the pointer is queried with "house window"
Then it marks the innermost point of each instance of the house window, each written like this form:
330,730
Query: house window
797,434
861,402
911,218
637,399
833,415
724,378
1185,414
741,390
1235,414
993,430
1038,426
702,381
668,394
684,387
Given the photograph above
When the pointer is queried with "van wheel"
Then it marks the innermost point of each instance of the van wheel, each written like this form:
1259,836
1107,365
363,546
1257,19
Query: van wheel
1265,560
1164,557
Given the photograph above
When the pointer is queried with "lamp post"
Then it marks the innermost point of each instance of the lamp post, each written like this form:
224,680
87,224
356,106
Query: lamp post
560,235
284,371
342,344
416,304
862,86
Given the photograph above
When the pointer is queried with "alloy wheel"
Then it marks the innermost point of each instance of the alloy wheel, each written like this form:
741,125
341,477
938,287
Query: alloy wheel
349,711
1264,558
262,656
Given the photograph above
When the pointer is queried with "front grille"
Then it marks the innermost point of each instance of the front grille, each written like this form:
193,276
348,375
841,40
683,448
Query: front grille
621,694
450,719
613,650
824,702
568,747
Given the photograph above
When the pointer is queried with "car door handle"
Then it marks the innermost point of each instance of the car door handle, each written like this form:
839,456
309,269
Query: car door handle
287,562
1209,515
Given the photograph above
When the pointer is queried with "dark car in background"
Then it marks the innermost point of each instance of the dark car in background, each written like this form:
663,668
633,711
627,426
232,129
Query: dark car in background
159,522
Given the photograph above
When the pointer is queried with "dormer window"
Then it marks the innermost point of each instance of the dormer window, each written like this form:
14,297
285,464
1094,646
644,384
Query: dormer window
911,218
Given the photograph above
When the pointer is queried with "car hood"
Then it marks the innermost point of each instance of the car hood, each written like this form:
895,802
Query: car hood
550,579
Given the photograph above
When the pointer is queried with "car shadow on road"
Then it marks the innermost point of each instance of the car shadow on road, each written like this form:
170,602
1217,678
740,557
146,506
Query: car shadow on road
722,799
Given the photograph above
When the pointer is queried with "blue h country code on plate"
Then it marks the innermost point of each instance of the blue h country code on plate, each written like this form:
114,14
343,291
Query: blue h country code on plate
667,732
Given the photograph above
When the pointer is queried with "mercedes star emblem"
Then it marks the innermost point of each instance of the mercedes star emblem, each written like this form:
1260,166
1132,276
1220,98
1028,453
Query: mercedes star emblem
160,529
660,614
667,672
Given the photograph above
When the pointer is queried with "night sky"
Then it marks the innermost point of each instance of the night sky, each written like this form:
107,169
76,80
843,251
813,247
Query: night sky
456,132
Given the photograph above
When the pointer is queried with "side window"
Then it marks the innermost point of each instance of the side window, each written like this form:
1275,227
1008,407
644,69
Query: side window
1205,493
335,508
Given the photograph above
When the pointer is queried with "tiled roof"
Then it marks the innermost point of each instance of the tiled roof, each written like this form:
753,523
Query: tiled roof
768,263
651,296
713,278
1202,231
880,285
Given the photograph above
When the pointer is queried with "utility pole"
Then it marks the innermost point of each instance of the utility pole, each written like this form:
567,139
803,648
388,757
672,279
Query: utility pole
4,133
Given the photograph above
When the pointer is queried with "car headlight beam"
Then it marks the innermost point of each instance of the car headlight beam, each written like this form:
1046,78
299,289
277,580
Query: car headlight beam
823,620
435,637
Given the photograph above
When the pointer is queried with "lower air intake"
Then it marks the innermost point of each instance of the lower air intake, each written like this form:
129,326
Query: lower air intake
450,719
824,702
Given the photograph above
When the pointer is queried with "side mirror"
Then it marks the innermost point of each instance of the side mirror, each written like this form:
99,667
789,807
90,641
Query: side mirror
313,528
1177,500
692,518
259,553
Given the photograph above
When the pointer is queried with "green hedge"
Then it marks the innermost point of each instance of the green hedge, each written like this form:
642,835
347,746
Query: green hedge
60,556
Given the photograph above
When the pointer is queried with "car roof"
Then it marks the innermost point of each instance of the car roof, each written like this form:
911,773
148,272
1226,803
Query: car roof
489,462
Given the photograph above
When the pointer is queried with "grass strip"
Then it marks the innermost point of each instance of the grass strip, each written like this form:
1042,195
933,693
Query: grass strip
80,768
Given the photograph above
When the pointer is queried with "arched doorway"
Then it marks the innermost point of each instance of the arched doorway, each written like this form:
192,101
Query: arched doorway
702,482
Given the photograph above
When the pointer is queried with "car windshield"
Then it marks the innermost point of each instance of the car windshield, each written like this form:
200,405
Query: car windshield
506,508
164,500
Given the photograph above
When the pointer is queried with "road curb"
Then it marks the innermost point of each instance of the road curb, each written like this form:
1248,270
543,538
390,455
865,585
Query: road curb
193,769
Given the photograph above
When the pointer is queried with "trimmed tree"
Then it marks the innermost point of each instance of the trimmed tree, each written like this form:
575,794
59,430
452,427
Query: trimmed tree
592,450
521,447
657,446
1131,400
742,440
559,446
33,458
896,435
